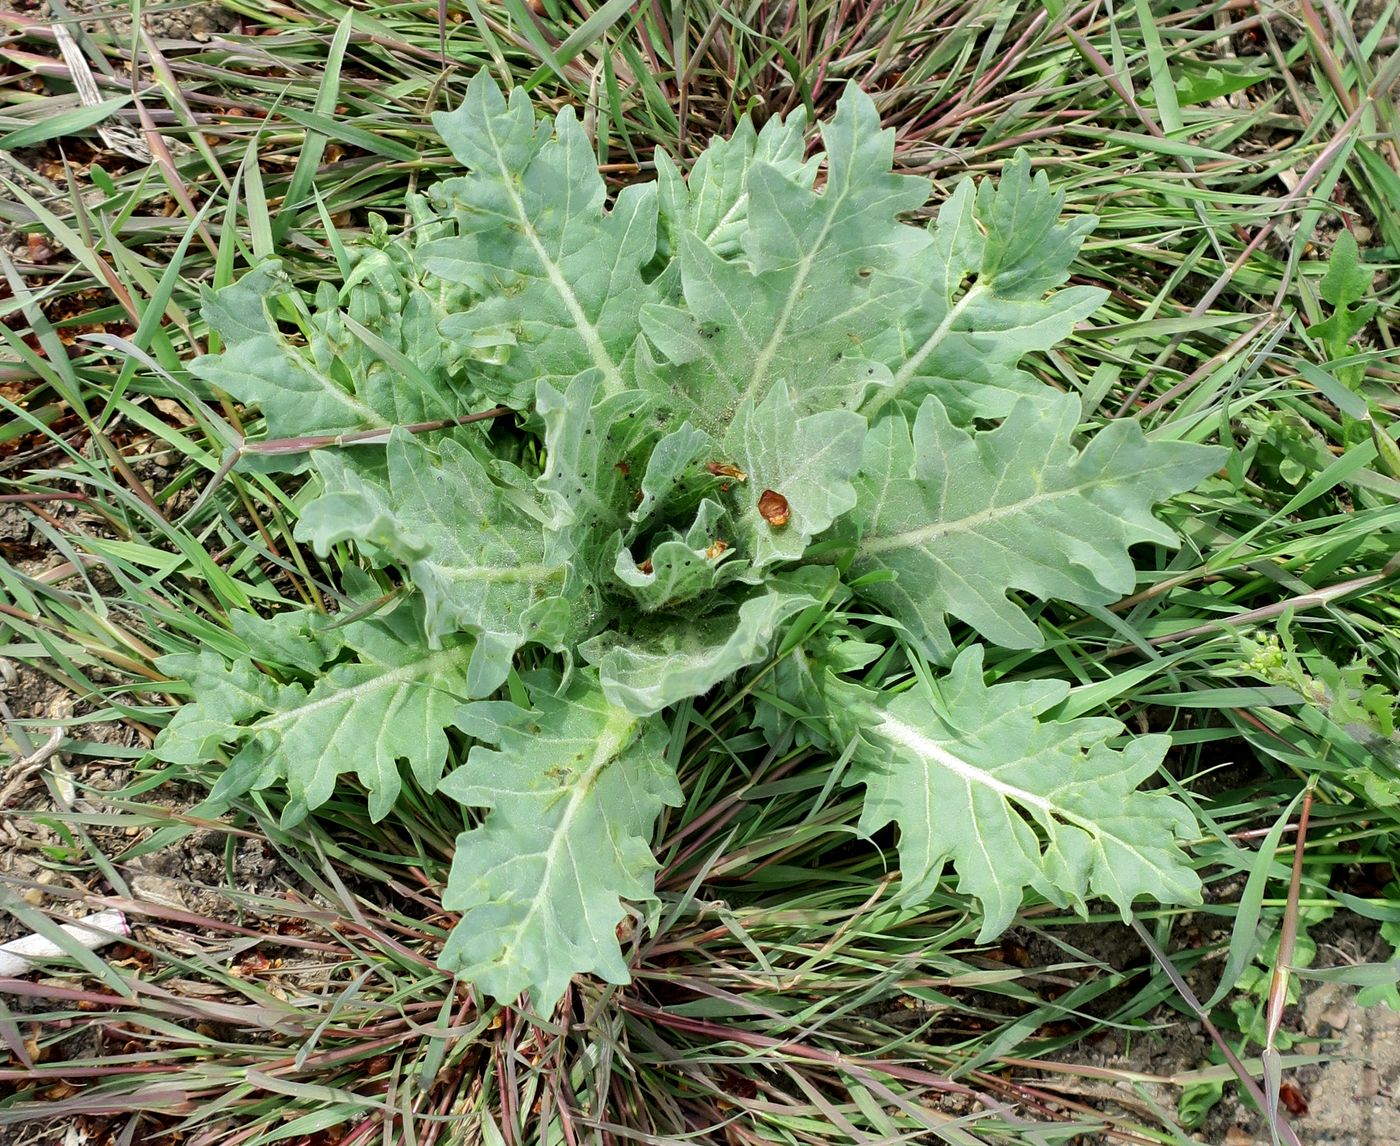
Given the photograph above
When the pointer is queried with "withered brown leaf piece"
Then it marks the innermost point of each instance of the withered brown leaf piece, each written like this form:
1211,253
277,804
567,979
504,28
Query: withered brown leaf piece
726,469
774,508
39,247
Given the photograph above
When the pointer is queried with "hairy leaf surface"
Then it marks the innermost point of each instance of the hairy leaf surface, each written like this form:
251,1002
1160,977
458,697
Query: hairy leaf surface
809,461
976,777
997,249
592,447
712,202
964,518
821,272
558,278
679,568
480,563
663,661
361,716
574,786
378,363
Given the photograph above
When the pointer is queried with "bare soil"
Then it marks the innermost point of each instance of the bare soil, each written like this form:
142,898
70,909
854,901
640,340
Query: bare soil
1353,1099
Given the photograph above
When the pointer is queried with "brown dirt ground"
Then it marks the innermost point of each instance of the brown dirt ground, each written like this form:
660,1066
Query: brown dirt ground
1351,1100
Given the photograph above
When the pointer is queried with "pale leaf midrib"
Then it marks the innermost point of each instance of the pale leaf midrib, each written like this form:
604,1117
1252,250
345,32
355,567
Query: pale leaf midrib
610,744
770,349
328,386
905,373
587,331
911,538
533,574
426,667
927,749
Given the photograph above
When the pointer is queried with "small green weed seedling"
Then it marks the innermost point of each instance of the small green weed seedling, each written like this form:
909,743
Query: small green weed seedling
743,402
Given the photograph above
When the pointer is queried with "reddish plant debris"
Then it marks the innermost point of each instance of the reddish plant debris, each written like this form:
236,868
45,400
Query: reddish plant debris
1293,1099
39,248
773,506
726,469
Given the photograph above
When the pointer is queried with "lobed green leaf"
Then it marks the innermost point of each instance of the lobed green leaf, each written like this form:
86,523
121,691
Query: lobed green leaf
390,701
556,277
977,776
964,518
574,786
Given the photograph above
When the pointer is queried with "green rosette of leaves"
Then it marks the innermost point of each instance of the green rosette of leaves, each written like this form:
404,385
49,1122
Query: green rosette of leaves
739,395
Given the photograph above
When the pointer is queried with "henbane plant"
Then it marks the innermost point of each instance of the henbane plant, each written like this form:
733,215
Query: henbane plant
751,393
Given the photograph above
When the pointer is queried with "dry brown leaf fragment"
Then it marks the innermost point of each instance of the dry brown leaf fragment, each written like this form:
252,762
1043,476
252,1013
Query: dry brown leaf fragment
1293,1099
40,249
773,507
716,549
726,469
645,567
